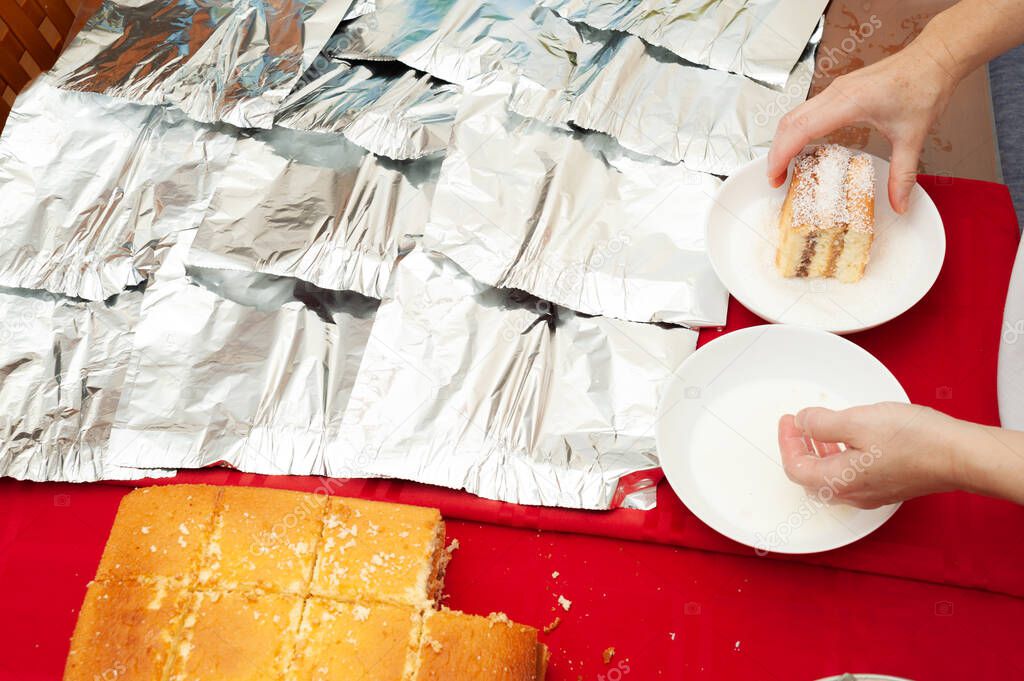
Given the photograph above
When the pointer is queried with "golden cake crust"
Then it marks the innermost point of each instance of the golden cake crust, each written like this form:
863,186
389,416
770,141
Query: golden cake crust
202,583
237,636
159,532
383,551
126,630
460,647
356,641
263,539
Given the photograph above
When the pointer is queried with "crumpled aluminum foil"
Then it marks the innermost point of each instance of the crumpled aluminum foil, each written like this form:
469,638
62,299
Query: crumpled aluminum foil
650,100
93,188
387,109
711,121
218,60
761,39
459,40
315,207
241,369
574,219
62,368
504,395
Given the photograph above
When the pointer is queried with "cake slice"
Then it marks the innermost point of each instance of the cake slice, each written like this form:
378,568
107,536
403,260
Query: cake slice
126,630
263,539
383,552
159,532
826,225
460,647
236,636
356,642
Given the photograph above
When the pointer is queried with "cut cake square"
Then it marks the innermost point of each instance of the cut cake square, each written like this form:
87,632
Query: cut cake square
159,532
263,539
356,642
378,551
126,629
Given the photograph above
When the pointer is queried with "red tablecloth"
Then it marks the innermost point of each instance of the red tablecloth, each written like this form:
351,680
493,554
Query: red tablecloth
923,613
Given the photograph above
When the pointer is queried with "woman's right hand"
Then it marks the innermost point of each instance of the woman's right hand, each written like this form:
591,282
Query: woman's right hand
901,96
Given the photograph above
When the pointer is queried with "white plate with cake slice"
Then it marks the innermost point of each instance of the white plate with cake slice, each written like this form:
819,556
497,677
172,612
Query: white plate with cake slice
717,434
825,236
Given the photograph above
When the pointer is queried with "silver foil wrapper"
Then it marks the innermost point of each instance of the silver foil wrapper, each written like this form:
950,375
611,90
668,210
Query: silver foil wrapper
609,81
239,369
385,108
711,121
504,395
573,218
93,188
315,207
761,39
62,369
218,60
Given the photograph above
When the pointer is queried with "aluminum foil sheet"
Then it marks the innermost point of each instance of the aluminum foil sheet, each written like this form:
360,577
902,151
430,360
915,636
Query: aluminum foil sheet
504,395
62,368
240,369
649,99
459,40
92,189
711,121
573,218
761,39
315,207
218,60
383,107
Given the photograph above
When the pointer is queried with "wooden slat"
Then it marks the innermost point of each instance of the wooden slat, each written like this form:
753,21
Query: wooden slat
27,34
61,13
25,41
11,72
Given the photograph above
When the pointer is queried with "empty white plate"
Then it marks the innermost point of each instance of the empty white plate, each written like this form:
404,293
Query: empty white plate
905,258
717,434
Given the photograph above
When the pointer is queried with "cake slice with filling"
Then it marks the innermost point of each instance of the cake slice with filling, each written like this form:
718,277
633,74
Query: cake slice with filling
827,222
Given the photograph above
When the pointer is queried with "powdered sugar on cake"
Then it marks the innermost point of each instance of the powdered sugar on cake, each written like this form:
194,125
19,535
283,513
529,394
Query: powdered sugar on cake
830,186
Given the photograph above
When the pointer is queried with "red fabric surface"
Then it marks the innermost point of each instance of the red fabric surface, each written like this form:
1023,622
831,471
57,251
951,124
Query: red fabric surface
733,617
788,614
944,352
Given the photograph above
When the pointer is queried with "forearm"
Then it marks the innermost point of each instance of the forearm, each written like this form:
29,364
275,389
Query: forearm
972,32
987,461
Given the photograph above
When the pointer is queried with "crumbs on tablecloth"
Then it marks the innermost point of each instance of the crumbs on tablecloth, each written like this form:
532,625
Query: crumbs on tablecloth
608,654
565,603
553,625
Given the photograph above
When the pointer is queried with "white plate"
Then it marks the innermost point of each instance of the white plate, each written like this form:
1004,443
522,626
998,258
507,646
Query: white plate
905,258
717,434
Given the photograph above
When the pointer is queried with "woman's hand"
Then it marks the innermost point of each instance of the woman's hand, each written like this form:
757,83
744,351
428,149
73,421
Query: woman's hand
901,96
892,452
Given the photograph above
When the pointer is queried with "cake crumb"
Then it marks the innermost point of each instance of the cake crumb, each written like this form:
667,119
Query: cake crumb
554,575
499,617
565,603
553,625
435,645
608,654
453,546
361,613
672,635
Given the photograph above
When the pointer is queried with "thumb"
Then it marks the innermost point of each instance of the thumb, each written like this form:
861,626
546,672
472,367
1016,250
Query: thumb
824,425
903,174
801,464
